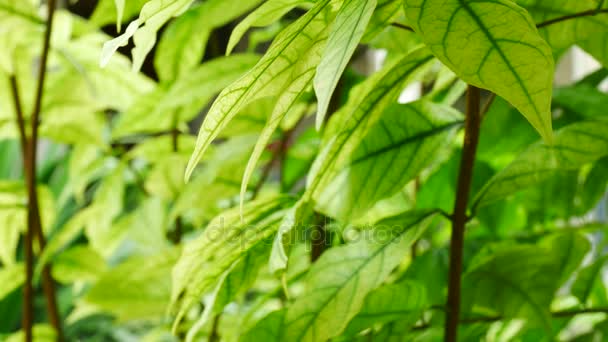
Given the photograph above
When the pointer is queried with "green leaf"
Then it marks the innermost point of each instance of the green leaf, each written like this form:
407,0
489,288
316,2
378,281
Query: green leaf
583,99
272,74
337,284
138,288
182,45
574,146
78,263
405,140
40,332
569,250
366,104
589,278
185,97
516,282
153,15
225,241
269,12
269,328
510,58
11,277
106,13
403,302
347,30
120,10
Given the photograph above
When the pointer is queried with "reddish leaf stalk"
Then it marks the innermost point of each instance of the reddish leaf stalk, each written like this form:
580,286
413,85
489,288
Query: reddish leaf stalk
459,217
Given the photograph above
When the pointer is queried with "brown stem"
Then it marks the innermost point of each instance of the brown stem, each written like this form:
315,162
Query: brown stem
571,16
459,217
29,163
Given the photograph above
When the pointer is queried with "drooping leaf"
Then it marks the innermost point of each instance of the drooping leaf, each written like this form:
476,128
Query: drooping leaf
139,288
574,146
403,302
269,12
337,284
515,282
271,74
225,240
397,147
510,58
569,250
347,30
106,13
185,97
153,15
367,103
182,45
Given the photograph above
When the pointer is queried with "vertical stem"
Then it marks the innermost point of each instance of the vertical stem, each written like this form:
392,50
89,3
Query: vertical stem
29,163
177,233
459,217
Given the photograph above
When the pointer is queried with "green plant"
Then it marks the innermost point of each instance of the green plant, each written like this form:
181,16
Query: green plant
316,206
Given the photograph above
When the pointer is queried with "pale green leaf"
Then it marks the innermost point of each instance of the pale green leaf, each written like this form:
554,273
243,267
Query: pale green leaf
138,288
182,45
337,284
269,12
224,241
406,139
403,302
40,332
153,15
185,97
78,263
366,104
347,30
11,278
271,74
120,10
509,56
574,146
105,11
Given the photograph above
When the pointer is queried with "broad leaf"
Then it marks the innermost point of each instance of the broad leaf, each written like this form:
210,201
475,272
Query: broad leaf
337,284
589,279
403,302
574,146
271,74
510,58
269,12
569,250
518,282
78,263
138,288
11,278
397,147
347,30
182,45
225,240
185,97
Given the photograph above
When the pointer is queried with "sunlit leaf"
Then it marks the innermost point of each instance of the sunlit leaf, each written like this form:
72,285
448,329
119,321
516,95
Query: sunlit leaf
272,73
574,146
337,284
347,30
510,58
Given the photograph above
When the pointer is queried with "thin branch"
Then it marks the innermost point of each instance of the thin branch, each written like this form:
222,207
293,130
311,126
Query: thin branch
401,26
19,114
459,217
29,162
588,13
177,231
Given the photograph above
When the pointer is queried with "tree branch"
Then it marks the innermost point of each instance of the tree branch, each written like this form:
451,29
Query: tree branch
459,217
29,163
588,13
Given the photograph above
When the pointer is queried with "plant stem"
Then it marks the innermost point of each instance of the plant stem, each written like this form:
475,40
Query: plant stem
29,163
177,230
459,217
571,16
588,13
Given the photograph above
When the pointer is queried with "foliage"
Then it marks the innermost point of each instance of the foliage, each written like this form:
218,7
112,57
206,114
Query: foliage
314,204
